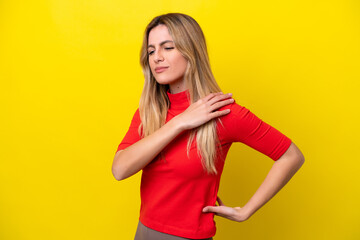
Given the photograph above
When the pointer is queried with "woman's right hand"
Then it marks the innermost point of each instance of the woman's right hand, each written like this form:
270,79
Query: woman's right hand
204,110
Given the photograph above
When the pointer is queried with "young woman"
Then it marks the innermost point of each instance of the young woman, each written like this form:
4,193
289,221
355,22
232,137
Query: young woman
180,135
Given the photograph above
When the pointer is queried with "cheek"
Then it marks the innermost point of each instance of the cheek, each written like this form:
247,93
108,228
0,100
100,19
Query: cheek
150,62
181,63
151,65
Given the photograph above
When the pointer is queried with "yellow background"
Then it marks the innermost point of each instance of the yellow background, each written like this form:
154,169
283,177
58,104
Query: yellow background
71,81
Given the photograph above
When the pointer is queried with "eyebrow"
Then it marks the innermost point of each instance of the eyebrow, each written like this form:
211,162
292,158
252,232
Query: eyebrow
162,43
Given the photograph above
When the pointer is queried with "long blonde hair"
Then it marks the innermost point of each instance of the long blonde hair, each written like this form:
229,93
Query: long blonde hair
154,103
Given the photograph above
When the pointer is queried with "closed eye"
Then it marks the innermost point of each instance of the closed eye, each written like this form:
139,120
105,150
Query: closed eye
168,48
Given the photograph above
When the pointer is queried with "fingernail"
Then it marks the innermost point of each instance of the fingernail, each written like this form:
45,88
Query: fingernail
230,94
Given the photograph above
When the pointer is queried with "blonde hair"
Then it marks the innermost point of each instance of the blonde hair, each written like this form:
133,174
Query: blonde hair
154,103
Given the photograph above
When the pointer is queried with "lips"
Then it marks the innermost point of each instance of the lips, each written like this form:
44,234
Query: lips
160,69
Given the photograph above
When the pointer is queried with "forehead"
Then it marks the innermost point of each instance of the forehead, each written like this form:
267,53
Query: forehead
159,34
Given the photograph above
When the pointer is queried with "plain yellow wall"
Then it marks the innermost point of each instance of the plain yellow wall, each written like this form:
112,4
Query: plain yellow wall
71,81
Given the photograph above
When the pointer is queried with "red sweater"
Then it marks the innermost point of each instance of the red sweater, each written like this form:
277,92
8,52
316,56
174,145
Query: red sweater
174,191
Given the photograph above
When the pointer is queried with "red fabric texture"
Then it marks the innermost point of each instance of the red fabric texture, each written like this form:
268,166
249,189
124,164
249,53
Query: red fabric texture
174,190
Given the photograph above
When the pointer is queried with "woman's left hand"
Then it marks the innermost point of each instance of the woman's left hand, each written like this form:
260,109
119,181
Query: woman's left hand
236,214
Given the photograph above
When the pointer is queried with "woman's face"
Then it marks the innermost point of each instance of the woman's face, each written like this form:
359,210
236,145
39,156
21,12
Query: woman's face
167,64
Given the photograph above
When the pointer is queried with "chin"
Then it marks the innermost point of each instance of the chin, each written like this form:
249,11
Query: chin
164,82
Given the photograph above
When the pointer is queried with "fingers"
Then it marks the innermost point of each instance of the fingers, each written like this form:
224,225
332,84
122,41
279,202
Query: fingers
218,113
219,97
211,95
213,101
216,100
221,211
204,109
216,97
221,104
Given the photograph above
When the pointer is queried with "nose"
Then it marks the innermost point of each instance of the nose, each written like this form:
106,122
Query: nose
158,56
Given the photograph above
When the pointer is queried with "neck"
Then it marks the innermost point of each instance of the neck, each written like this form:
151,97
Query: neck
178,101
177,87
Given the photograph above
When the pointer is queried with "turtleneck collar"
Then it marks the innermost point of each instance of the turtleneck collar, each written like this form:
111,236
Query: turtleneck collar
179,101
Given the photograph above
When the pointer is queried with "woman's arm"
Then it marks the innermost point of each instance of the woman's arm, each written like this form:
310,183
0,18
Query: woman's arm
281,172
135,157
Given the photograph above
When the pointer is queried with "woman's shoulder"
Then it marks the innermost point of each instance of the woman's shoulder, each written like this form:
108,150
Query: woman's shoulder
233,121
235,108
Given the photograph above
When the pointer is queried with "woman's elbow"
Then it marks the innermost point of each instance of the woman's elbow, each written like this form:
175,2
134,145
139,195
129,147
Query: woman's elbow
301,159
116,169
116,175
295,155
299,156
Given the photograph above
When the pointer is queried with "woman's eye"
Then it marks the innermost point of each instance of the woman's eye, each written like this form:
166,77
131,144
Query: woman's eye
168,48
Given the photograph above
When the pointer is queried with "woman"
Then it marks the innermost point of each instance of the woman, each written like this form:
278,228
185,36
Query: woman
180,135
